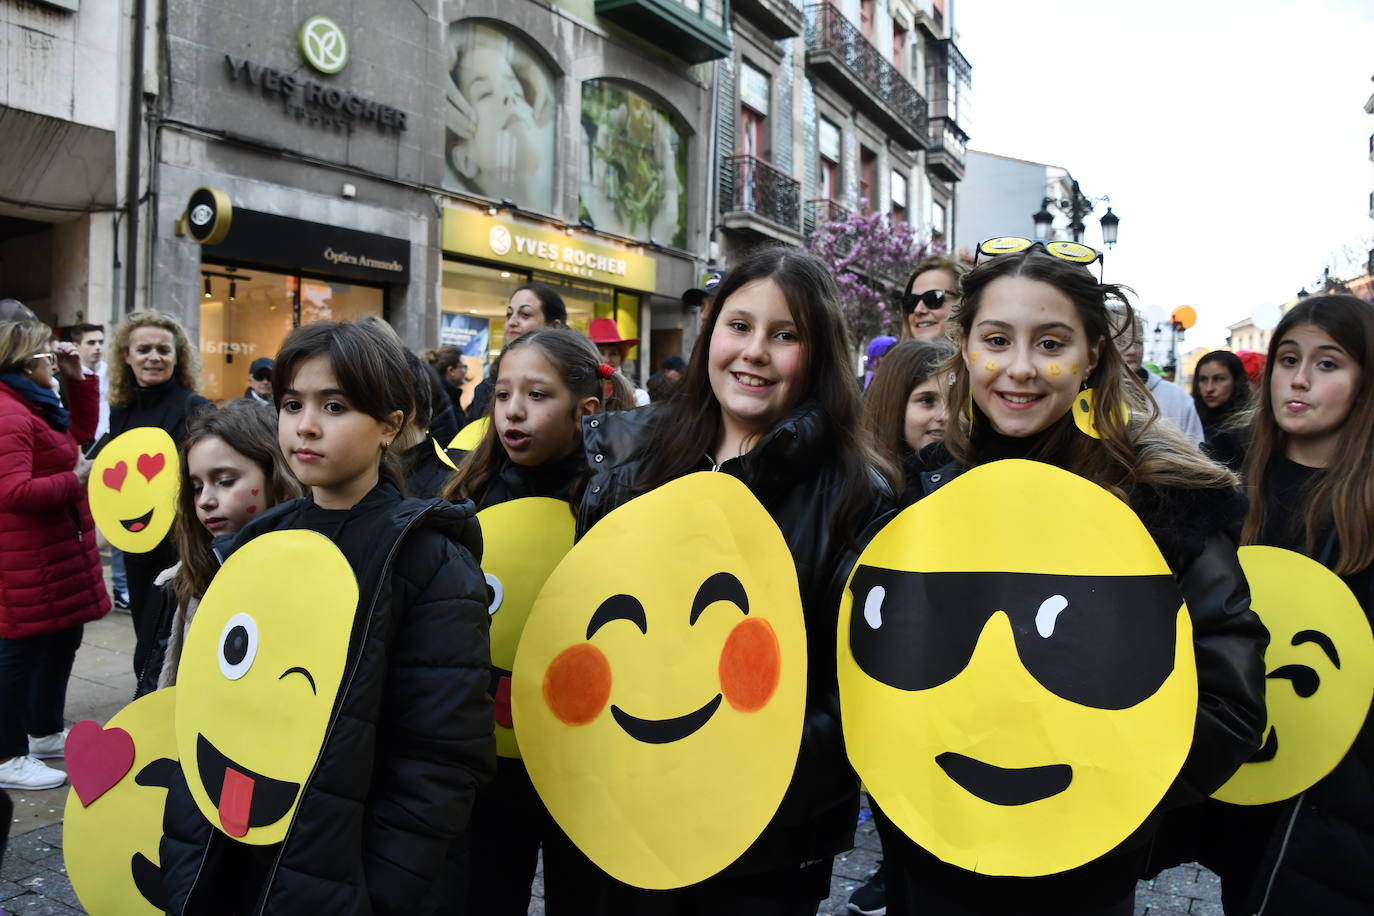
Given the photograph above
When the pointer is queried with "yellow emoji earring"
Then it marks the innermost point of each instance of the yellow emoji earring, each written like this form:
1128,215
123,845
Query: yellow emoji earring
1085,411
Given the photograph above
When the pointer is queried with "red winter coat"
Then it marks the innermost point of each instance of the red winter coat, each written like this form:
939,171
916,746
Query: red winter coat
50,576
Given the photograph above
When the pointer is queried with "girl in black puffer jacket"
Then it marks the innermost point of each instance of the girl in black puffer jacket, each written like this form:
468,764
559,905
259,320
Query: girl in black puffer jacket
768,397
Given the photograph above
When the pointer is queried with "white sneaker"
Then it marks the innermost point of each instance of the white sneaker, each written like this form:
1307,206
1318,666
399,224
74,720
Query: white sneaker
48,747
27,773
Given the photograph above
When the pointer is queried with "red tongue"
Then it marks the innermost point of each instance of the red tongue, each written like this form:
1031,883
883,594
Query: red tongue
136,527
235,800
503,703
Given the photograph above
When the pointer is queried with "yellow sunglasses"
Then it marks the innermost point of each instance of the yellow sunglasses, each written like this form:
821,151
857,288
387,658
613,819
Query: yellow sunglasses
1074,252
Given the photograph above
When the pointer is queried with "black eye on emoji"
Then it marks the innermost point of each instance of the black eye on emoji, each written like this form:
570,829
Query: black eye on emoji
238,646
1304,678
618,607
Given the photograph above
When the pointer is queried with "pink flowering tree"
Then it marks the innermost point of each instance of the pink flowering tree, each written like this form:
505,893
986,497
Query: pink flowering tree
871,258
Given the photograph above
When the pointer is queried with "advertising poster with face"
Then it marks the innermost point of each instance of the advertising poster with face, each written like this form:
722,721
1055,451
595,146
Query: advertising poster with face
634,165
499,117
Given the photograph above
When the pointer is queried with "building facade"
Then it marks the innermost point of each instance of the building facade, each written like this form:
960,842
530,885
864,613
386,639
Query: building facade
1002,194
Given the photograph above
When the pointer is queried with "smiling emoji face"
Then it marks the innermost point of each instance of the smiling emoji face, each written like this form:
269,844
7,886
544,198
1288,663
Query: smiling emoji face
1320,677
661,680
1019,691
522,542
259,674
133,489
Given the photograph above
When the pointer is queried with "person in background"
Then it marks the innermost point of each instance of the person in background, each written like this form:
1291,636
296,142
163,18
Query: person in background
931,292
877,349
614,349
424,472
1174,403
703,297
453,372
50,578
90,341
1221,394
259,389
531,306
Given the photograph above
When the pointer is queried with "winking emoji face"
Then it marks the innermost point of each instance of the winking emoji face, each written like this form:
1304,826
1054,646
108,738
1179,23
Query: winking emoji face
262,665
660,683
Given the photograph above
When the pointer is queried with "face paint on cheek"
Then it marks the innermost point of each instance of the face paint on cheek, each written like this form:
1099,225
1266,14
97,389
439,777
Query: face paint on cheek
1073,368
577,684
1055,370
750,665
251,510
992,366
973,357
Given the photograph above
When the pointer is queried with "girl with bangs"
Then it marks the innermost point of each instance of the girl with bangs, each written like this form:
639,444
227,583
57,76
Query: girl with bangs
769,397
1034,330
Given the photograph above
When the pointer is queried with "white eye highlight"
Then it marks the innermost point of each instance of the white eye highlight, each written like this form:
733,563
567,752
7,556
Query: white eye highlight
873,606
497,594
1049,613
238,646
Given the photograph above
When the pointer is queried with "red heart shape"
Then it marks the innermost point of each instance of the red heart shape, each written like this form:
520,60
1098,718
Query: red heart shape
97,759
254,492
151,465
114,477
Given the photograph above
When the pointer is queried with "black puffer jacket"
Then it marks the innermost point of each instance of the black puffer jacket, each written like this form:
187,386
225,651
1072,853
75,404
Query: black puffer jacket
793,473
1196,533
558,479
410,735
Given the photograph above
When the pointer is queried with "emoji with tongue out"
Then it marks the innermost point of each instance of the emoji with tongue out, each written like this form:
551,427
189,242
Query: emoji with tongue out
133,489
660,683
260,670
522,542
1320,675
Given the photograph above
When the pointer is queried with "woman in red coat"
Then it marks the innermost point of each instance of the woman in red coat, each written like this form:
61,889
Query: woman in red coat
50,578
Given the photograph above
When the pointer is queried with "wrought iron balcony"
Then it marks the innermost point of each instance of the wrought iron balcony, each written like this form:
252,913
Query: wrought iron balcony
694,30
778,19
760,191
948,146
818,212
837,52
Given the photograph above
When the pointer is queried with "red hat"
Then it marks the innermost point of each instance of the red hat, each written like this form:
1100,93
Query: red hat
604,331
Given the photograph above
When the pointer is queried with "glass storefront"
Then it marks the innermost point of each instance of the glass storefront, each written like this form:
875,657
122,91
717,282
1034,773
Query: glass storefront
246,313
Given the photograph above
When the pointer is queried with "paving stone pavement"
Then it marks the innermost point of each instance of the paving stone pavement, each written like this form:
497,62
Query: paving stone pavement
33,877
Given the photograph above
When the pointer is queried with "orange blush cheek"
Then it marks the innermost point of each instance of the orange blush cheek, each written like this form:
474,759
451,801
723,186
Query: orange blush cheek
577,684
750,665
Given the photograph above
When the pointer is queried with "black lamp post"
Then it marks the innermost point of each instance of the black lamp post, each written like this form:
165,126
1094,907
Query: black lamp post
1078,206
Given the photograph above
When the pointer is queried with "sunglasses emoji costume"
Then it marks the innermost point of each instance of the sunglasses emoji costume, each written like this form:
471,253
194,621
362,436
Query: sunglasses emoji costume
523,541
133,489
659,699
1019,691
1320,675
112,824
260,671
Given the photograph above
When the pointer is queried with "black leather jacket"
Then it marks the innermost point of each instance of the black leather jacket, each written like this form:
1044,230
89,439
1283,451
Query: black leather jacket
794,475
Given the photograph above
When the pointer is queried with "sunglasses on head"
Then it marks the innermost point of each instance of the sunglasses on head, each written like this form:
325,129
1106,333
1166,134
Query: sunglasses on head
1073,252
932,299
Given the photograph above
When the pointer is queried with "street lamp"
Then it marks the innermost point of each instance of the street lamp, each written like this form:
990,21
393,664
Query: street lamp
1077,205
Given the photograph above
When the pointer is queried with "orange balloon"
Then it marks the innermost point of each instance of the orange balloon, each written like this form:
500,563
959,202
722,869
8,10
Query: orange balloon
1185,316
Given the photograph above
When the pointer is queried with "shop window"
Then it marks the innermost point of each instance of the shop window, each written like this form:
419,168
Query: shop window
246,313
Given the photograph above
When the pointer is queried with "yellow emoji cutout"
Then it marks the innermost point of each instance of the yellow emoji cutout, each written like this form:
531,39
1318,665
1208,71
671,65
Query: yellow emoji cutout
660,684
522,541
470,436
1019,691
1320,678
112,824
133,489
262,665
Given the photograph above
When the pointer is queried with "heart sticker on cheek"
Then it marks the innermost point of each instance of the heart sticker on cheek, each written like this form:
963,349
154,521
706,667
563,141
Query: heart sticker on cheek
114,477
151,465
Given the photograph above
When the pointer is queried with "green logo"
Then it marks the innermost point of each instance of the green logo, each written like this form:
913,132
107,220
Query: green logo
323,44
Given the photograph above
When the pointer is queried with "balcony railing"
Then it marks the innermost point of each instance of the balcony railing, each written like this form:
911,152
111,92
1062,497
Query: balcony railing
837,49
761,189
948,147
818,212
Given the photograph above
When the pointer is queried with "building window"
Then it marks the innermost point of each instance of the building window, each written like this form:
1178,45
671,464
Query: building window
898,46
829,137
898,197
866,18
754,96
868,184
938,219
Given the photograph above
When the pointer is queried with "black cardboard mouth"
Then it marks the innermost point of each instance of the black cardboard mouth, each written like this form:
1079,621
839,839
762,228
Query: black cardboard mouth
1002,785
665,731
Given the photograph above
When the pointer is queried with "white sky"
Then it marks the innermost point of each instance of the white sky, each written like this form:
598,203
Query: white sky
1231,136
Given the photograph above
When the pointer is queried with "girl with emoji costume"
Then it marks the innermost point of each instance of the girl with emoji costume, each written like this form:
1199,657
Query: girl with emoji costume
369,812
1034,330
1308,476
546,382
231,469
769,398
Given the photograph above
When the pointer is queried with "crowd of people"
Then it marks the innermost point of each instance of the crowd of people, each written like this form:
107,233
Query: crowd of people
344,433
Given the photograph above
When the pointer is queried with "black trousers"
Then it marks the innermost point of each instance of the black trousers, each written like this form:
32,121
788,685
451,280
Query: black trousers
142,569
33,683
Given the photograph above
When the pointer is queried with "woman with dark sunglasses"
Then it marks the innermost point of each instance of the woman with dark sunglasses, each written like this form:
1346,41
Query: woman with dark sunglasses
930,294
1034,332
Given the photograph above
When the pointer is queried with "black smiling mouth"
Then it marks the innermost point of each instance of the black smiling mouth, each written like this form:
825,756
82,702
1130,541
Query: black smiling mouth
1002,785
664,731
271,798
1269,750
137,524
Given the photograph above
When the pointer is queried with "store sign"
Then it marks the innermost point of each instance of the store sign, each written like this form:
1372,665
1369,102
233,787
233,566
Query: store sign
209,215
497,238
323,44
312,102
295,244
